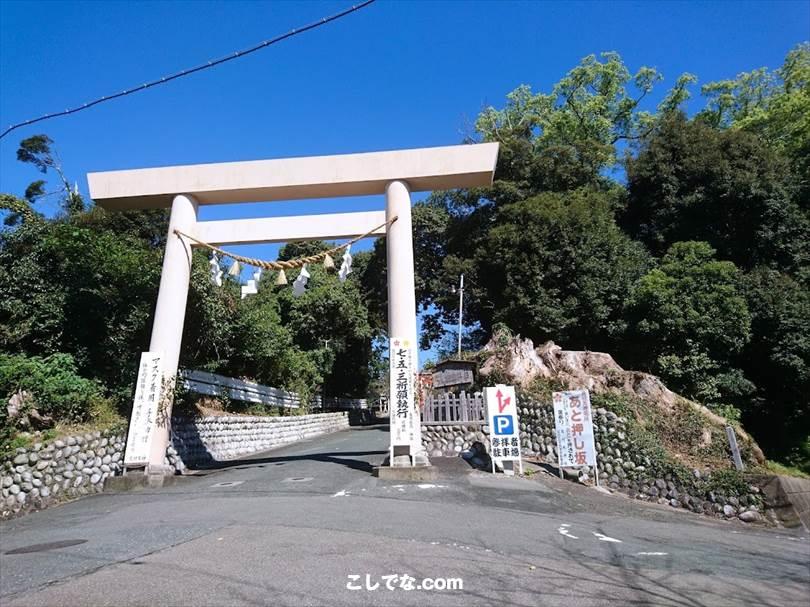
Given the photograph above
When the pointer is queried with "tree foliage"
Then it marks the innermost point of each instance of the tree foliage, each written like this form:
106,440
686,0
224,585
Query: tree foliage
691,181
659,267
690,319
82,286
557,266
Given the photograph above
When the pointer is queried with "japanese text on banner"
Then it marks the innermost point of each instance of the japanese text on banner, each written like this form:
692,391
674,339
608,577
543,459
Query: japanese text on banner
574,425
144,409
402,391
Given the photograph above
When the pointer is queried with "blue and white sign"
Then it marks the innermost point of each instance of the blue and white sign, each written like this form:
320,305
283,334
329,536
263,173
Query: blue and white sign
503,425
504,433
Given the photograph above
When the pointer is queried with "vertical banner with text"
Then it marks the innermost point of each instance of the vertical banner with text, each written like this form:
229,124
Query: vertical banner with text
402,401
504,432
574,425
144,409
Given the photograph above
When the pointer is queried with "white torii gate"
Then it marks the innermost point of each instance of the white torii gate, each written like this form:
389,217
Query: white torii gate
184,188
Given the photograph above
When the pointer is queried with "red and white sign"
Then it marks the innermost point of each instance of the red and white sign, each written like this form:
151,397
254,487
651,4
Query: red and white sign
574,424
504,431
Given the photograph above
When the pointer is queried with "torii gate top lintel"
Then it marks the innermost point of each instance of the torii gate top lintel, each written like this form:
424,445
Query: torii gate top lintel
423,169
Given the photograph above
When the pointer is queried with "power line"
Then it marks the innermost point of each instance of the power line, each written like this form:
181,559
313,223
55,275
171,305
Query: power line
198,68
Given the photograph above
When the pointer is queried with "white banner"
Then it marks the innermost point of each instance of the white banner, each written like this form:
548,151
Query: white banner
574,424
144,410
402,401
504,432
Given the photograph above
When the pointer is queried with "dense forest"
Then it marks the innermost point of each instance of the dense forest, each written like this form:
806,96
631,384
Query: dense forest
678,242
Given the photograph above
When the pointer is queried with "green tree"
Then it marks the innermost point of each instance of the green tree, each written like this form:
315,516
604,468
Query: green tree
689,321
565,138
777,359
691,181
556,266
38,150
72,289
775,106
561,141
320,341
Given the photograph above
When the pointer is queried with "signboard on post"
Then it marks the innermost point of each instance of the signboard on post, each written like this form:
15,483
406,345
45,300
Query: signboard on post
574,424
504,432
402,401
148,392
735,450
451,373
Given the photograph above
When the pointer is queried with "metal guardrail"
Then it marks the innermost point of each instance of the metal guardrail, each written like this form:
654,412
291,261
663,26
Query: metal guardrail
211,384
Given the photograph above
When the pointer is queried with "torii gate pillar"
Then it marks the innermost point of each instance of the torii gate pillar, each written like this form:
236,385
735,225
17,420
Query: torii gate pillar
402,300
170,310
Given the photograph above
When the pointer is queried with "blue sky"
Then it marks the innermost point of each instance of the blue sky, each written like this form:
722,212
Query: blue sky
394,75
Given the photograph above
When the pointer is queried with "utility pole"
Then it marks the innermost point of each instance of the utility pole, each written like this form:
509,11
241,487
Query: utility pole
460,311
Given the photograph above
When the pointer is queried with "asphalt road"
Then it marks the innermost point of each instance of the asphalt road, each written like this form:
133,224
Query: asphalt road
289,528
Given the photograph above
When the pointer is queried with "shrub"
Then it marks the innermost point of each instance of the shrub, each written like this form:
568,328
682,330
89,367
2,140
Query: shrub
58,390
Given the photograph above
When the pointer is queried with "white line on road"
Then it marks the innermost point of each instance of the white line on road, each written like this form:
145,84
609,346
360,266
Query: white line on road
604,538
563,530
652,553
341,493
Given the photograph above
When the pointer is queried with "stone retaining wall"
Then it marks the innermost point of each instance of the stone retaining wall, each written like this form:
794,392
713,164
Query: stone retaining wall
623,465
207,440
38,476
445,439
797,492
788,498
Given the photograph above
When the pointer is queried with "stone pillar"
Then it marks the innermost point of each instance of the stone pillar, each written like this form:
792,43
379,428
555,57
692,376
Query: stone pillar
170,312
401,287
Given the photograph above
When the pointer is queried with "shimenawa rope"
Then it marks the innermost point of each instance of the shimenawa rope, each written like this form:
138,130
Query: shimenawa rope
283,265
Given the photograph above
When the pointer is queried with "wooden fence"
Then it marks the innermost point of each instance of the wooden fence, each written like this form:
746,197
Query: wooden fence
455,408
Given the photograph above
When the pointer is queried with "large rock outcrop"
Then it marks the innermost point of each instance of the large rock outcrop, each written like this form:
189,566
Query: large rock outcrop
521,363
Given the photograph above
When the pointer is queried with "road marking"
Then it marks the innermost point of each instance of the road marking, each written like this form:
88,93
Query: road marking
652,553
563,530
430,486
341,493
604,538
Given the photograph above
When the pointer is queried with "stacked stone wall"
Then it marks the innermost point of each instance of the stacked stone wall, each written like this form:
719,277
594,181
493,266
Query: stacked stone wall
450,440
206,440
624,466
33,478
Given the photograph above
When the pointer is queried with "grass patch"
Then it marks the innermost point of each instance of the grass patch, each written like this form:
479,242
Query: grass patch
782,470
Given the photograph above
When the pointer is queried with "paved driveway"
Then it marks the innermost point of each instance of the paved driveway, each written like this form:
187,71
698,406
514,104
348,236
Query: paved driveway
291,526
